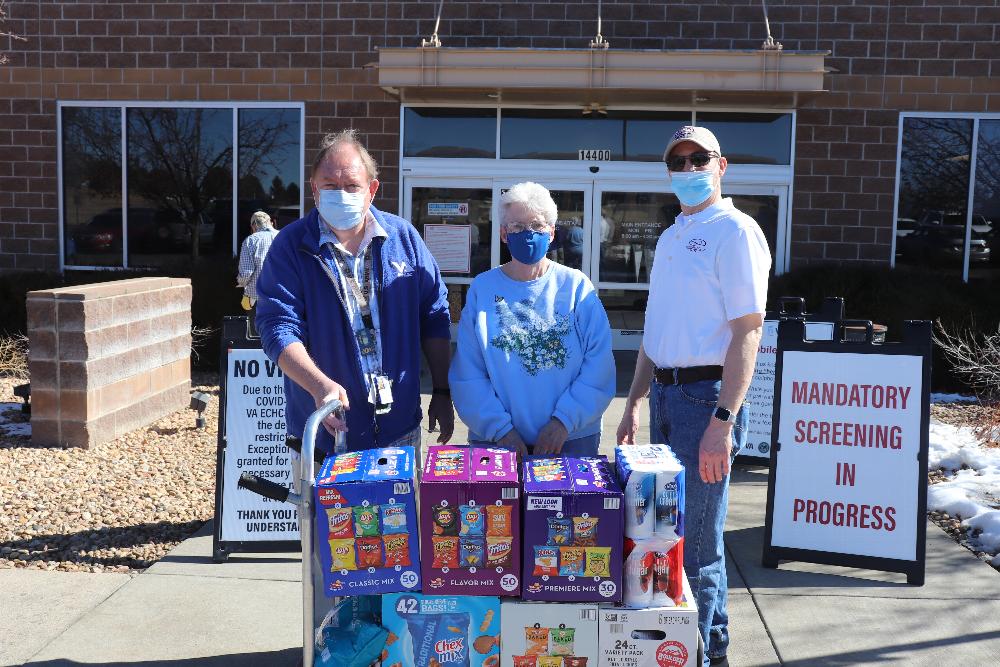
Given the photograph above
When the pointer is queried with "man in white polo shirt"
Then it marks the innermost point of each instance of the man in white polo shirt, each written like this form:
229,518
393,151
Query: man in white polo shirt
707,294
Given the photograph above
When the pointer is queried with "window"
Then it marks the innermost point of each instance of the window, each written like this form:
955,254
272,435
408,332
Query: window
180,174
430,132
934,229
751,138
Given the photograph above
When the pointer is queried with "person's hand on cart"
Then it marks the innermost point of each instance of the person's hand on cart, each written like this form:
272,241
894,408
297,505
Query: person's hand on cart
330,391
551,438
512,440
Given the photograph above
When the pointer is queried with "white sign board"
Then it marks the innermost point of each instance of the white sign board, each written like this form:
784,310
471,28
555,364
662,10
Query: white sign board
255,443
847,471
451,246
448,209
759,400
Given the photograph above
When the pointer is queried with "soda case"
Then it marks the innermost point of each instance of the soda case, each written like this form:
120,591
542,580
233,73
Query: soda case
572,530
653,481
537,634
443,630
366,522
655,637
470,521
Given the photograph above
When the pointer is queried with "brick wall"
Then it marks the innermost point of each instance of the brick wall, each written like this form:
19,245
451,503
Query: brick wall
107,358
907,55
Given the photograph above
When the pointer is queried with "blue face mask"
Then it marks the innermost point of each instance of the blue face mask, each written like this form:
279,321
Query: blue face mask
342,210
528,247
693,187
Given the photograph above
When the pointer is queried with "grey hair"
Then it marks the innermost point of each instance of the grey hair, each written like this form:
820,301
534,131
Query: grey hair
350,137
260,220
534,197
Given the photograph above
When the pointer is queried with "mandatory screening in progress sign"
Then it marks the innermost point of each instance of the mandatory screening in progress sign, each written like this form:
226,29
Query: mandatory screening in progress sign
255,443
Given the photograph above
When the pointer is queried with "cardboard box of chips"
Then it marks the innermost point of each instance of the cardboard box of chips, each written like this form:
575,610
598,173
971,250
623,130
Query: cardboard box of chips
655,637
366,522
572,530
537,634
441,630
470,521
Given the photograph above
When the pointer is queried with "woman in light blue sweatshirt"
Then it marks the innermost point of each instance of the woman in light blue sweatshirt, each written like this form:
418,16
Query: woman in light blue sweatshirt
533,370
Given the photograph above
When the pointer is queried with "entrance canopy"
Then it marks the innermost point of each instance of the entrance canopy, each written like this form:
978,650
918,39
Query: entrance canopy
773,78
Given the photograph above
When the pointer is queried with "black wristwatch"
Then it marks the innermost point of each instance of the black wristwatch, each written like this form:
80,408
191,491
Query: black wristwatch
724,414
441,391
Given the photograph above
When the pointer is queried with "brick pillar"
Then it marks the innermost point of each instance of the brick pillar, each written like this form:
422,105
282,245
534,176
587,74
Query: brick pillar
107,358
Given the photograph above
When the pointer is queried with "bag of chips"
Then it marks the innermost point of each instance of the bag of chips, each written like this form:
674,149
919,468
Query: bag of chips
537,640
560,531
366,521
471,551
571,561
584,531
369,552
397,550
472,518
498,522
498,551
575,661
342,555
546,561
445,520
550,661
525,661
339,519
393,519
440,639
562,640
445,551
598,562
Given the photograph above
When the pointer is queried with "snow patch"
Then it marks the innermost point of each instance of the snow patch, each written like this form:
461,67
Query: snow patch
953,398
9,427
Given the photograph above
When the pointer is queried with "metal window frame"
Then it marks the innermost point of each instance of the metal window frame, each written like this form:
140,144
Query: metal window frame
975,117
123,106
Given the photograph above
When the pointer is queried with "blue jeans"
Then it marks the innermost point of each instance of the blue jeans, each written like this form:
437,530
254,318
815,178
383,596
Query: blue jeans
584,446
683,412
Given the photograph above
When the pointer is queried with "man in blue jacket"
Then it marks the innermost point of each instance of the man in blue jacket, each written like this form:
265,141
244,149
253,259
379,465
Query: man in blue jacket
347,298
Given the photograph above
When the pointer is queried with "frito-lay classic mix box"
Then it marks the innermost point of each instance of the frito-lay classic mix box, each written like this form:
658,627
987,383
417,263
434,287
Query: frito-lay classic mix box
470,521
539,634
366,522
441,630
572,530
655,637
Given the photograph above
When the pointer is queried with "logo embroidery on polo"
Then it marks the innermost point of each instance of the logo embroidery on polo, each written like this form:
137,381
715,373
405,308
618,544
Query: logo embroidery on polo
697,245
400,267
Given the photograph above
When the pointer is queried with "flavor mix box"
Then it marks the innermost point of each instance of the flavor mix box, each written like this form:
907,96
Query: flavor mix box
441,630
572,530
536,634
366,522
653,482
470,520
655,637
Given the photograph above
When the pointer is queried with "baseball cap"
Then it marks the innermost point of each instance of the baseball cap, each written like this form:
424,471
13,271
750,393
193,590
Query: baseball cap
699,135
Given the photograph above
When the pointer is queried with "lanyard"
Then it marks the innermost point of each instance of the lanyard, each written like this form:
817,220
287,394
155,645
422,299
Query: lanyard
362,293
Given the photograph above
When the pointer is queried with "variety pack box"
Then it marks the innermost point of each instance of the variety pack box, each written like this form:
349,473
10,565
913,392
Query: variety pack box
655,637
470,520
441,630
572,530
366,522
653,482
537,634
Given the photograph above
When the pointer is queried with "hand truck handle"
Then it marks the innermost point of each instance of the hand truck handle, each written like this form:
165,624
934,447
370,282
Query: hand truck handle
263,487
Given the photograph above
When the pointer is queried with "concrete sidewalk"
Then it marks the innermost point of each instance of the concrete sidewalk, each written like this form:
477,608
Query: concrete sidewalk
187,611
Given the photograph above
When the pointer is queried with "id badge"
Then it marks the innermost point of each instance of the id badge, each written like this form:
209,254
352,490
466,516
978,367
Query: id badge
381,394
366,342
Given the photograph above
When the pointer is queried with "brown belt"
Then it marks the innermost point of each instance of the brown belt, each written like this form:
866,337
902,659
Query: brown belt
687,375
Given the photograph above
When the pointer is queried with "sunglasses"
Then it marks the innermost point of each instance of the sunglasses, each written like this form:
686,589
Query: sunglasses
700,159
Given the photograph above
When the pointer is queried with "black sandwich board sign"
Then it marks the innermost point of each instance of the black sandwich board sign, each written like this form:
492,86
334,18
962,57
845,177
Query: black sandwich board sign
759,401
251,439
848,478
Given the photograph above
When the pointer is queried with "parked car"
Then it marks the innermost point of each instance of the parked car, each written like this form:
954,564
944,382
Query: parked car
149,230
942,245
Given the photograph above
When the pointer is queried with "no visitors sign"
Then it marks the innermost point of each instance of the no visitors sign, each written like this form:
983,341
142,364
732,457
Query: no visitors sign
849,474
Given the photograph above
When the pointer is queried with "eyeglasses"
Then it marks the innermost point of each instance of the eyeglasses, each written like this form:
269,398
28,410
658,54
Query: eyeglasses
700,159
518,227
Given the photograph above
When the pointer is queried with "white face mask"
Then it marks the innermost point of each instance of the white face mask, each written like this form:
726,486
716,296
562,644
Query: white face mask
341,209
